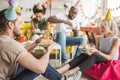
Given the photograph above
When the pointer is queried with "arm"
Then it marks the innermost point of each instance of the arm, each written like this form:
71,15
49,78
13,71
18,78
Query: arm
33,45
110,55
97,42
113,50
54,19
37,65
32,27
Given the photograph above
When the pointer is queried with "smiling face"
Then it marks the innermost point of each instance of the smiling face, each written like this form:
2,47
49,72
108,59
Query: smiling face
39,16
72,13
109,26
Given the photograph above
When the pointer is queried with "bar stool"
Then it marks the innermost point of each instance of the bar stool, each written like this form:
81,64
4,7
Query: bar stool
56,50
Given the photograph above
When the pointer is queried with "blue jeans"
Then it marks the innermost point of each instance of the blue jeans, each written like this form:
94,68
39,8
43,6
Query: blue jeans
64,41
25,74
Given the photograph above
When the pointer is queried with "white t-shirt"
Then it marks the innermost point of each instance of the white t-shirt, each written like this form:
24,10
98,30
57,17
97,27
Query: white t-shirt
61,27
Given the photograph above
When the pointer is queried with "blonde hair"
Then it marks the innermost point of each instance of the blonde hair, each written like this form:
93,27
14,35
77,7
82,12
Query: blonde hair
110,26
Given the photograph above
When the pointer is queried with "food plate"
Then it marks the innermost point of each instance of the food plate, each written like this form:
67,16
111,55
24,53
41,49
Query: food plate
44,45
84,49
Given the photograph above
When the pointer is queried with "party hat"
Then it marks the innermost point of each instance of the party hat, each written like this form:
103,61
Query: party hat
10,14
108,15
77,4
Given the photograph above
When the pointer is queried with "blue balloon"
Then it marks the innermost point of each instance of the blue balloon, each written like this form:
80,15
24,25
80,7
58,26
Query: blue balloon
10,2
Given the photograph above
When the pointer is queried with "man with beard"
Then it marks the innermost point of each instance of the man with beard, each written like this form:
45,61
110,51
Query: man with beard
16,63
65,25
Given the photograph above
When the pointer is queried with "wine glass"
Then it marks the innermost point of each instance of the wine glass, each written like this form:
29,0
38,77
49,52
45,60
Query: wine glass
53,35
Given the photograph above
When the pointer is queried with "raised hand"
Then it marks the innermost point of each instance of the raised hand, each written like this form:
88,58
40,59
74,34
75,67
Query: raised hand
68,23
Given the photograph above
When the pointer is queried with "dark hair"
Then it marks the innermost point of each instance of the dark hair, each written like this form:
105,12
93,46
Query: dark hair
72,8
36,9
3,20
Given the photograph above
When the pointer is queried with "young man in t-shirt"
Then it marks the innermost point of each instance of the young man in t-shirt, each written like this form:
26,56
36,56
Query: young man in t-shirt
16,63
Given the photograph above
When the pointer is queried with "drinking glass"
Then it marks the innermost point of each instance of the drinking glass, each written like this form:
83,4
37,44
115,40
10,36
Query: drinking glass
28,35
53,35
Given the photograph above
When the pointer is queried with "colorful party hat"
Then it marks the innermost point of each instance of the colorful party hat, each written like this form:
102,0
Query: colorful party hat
10,14
108,15
77,4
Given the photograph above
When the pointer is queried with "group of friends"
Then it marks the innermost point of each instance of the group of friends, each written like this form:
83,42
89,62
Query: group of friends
17,63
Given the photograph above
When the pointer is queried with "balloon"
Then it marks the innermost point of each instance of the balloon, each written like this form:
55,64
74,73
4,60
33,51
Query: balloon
18,9
10,2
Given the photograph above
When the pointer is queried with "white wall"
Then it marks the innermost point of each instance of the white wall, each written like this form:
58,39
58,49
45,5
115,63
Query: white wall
3,4
23,3
56,8
29,4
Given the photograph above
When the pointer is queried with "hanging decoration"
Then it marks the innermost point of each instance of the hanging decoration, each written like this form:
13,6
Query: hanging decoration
94,15
10,2
97,12
46,4
115,8
20,8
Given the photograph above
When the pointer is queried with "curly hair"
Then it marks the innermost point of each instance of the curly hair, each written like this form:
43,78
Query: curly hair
39,8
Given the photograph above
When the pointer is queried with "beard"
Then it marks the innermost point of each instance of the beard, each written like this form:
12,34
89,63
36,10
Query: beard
16,34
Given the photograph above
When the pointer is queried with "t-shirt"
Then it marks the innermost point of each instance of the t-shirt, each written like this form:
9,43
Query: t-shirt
40,24
9,51
61,27
106,44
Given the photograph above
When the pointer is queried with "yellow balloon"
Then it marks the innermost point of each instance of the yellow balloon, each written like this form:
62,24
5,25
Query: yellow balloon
18,9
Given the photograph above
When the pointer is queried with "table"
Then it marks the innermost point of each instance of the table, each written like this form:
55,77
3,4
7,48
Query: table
95,30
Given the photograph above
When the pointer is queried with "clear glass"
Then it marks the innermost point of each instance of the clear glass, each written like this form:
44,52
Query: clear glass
28,35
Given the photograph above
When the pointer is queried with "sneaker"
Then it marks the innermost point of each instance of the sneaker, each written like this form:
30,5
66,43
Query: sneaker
69,77
63,78
75,76
78,75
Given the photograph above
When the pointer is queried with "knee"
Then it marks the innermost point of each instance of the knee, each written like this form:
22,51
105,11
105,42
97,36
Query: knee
95,54
81,41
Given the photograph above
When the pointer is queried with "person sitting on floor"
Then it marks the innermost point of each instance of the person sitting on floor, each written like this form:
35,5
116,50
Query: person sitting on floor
16,63
107,48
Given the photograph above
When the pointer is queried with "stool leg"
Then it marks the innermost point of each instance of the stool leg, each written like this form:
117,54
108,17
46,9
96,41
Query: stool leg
60,56
55,54
70,55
